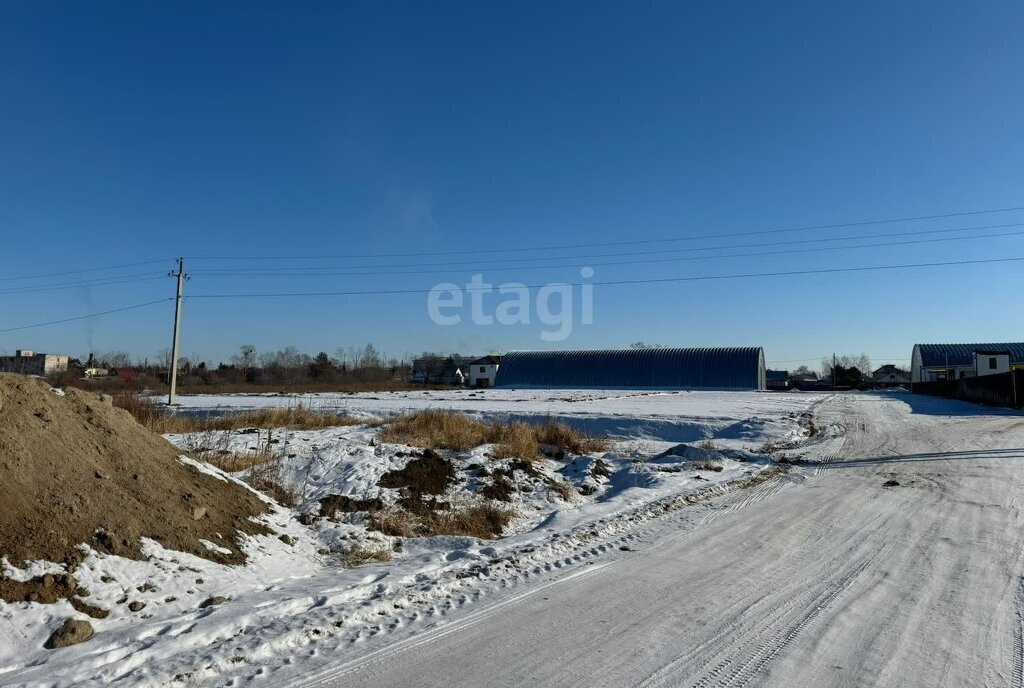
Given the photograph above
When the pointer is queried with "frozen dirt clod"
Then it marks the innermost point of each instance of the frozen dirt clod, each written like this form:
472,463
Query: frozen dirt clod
72,632
53,446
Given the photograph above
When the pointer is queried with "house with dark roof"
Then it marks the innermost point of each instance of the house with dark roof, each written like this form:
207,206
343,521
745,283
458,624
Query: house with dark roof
484,371
890,376
932,362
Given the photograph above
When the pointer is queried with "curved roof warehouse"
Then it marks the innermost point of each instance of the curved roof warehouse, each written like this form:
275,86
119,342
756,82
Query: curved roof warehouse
735,368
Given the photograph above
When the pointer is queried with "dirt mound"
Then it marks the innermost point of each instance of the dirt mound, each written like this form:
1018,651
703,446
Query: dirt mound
74,469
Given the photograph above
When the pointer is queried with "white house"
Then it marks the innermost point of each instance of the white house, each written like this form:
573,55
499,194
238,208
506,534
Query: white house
483,371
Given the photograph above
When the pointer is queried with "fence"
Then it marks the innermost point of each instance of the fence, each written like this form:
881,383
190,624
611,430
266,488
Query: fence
1006,389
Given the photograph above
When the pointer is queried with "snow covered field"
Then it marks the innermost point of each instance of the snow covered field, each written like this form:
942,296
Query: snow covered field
295,605
662,416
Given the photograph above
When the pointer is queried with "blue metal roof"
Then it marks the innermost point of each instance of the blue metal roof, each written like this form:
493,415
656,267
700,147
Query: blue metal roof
940,355
729,368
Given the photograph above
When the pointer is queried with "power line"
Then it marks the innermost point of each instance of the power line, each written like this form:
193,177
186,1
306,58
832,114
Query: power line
319,269
78,272
661,280
87,315
75,285
805,228
610,263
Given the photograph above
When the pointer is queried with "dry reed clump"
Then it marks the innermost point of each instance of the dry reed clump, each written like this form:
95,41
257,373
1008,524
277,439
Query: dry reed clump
563,489
514,440
435,429
708,466
261,467
479,519
358,555
266,478
438,429
299,417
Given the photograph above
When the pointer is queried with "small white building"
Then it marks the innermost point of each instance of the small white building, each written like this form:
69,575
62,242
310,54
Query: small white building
991,362
483,371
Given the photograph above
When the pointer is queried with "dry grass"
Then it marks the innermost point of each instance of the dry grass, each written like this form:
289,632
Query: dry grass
708,446
708,466
358,555
266,477
569,440
262,465
437,429
298,417
395,522
564,490
514,441
481,520
434,429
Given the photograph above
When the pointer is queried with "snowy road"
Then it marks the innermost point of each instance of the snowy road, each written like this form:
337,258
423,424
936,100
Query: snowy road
835,580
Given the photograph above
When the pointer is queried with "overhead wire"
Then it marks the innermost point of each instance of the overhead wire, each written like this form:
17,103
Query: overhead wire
634,242
84,270
660,280
649,261
88,315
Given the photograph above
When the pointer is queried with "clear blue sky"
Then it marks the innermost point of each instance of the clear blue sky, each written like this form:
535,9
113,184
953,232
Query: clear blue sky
144,131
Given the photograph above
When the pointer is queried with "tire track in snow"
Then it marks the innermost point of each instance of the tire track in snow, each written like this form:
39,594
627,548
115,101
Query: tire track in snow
1017,678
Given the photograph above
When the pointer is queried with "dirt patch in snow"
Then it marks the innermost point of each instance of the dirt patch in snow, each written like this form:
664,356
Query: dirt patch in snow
331,505
429,474
75,469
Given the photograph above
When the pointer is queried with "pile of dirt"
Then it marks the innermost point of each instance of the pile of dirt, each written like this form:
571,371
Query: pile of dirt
75,469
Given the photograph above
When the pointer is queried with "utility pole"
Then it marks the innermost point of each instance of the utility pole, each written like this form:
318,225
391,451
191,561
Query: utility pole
171,397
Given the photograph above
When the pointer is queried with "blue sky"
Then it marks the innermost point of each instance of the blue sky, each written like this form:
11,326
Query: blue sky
135,132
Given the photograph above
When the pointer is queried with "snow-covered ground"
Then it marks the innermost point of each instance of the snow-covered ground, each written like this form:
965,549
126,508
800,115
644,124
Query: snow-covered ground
665,416
295,604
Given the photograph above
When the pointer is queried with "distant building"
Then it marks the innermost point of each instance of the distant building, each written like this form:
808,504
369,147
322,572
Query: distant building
125,373
28,362
776,379
932,362
441,370
890,376
484,371
736,368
